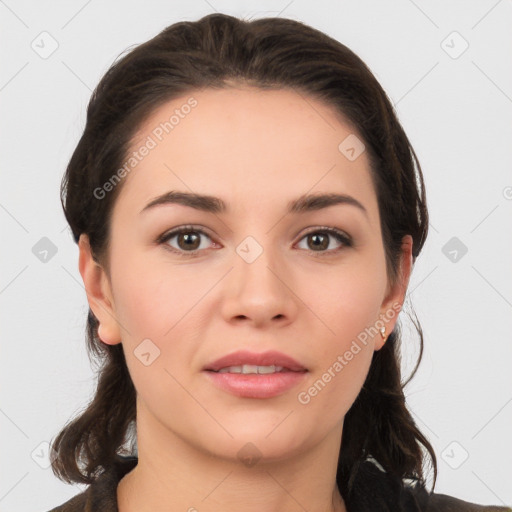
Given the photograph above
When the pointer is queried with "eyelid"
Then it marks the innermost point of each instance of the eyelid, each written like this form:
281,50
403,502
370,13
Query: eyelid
341,236
165,237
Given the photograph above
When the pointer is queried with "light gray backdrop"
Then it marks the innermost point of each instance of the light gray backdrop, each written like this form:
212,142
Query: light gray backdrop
447,67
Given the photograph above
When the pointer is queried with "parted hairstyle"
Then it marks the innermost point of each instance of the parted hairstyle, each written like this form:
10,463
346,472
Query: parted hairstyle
218,51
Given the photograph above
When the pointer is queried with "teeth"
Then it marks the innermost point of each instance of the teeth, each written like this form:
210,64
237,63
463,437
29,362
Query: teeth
251,368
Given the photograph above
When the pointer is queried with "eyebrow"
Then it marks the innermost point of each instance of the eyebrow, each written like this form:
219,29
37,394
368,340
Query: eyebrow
211,204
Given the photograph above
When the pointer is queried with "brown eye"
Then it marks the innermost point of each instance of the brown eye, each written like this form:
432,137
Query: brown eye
185,240
189,240
326,240
318,241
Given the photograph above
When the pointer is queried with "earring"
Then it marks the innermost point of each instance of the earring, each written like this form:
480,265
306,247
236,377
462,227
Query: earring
383,333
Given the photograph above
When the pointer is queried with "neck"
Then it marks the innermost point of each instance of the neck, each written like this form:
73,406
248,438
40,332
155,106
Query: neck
173,475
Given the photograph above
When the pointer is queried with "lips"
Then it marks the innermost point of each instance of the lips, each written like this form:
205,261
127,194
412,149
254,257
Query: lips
244,357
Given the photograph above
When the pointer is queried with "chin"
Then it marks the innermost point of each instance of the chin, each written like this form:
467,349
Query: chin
258,441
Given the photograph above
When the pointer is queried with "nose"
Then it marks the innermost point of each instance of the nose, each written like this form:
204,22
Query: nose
259,293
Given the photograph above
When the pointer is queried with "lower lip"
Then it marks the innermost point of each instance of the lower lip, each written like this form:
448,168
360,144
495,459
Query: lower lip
256,385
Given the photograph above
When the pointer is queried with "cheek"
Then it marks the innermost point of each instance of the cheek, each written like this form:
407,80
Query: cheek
152,298
155,309
335,385
344,302
344,307
155,304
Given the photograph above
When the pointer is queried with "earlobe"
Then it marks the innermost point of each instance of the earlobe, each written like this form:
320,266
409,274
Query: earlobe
99,294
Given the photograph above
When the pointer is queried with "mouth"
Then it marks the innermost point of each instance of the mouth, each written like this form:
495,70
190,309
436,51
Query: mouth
251,375
255,385
246,362
249,369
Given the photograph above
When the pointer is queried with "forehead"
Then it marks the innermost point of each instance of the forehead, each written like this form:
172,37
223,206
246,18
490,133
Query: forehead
263,145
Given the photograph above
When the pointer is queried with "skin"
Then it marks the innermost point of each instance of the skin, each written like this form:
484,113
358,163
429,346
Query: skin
256,150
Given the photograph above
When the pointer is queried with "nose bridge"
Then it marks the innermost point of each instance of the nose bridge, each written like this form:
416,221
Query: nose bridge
256,288
256,265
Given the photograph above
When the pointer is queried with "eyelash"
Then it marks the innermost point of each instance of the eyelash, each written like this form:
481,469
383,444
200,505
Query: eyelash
341,237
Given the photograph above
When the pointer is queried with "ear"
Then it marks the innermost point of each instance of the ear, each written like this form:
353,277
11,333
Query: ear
395,295
99,293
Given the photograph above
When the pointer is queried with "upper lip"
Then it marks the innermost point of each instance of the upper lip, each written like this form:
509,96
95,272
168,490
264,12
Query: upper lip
270,358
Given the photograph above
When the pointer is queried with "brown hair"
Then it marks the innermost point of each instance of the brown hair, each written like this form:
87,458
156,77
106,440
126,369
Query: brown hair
277,53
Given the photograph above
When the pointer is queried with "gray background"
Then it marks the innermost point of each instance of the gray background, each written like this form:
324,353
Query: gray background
455,106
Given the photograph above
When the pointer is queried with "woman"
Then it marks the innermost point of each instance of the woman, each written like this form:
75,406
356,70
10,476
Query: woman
248,211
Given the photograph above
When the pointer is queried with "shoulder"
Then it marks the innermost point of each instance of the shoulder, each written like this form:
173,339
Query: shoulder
444,503
75,504
377,490
102,493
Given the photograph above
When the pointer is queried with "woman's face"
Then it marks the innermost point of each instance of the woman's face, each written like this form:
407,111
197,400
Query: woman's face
254,276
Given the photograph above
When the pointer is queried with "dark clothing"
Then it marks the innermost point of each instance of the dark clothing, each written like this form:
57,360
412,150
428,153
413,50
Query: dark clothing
376,492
